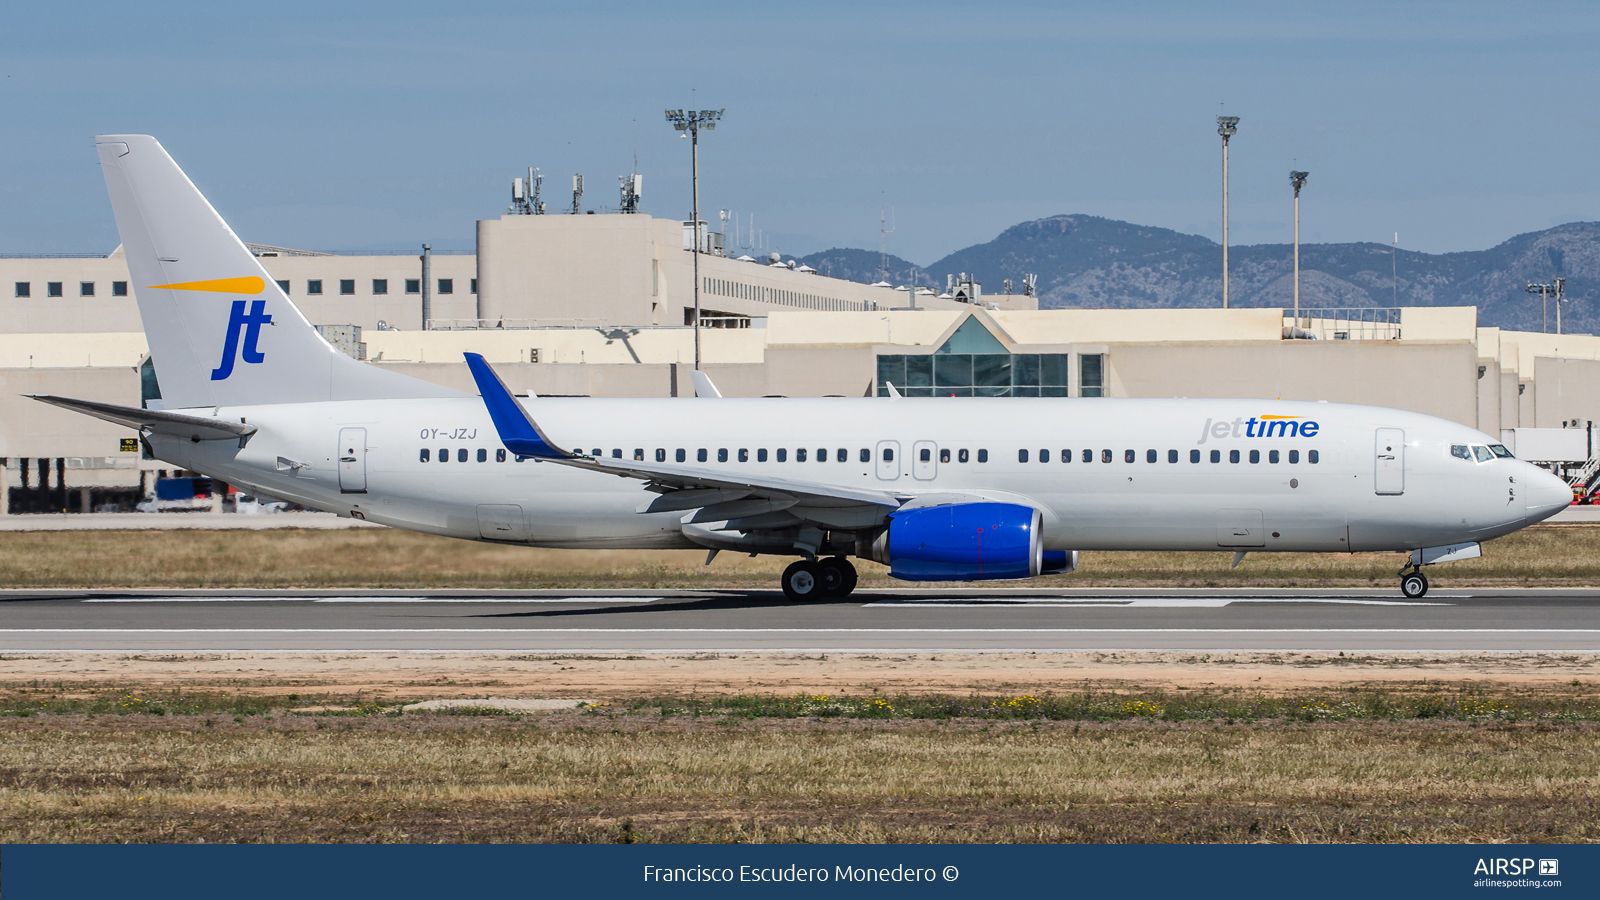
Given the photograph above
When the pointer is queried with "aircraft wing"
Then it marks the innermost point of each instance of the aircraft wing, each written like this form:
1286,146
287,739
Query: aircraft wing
154,421
743,501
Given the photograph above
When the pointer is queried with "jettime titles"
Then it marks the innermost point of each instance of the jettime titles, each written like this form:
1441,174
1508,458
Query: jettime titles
1259,427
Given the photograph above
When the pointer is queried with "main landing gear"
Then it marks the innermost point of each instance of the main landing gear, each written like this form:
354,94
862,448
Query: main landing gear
827,578
1413,583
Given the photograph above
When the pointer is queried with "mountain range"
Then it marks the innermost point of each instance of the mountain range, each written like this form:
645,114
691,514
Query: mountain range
1088,262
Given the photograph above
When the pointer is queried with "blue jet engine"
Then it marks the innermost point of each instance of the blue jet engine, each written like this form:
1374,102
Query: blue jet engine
967,542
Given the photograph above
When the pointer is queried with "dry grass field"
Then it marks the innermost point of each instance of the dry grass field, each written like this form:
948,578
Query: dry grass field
382,558
1378,768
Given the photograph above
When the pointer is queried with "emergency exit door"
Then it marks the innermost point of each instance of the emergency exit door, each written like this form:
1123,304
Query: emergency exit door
352,460
1390,460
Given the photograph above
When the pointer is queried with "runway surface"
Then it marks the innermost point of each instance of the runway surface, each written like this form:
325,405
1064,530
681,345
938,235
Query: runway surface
901,620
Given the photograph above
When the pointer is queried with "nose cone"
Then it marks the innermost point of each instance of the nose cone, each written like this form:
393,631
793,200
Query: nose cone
1546,495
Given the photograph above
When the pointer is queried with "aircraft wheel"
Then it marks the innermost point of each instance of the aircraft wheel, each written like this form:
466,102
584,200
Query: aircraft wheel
1414,585
838,576
802,582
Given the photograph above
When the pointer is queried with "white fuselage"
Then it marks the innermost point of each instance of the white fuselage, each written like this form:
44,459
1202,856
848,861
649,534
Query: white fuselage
1396,489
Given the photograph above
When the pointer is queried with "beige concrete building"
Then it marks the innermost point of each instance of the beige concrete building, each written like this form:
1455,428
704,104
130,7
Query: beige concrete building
596,306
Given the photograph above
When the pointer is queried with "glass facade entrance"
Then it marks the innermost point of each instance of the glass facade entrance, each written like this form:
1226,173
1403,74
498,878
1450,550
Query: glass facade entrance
973,363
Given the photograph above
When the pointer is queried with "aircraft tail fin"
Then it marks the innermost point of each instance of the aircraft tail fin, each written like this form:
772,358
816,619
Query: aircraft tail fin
221,331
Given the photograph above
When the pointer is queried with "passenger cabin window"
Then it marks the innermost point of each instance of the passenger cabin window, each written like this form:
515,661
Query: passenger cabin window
944,455
1105,456
1066,456
983,456
927,455
1482,453
1044,456
843,455
616,452
483,455
1172,456
1294,457
1312,457
1194,456
1233,456
1461,451
1255,457
866,455
700,454
680,455
500,455
1088,456
1022,456
783,454
722,454
1127,456
444,454
800,454
761,455
661,454
424,455
1216,456
461,455
961,456
744,455
1272,457
1149,456
822,454
638,454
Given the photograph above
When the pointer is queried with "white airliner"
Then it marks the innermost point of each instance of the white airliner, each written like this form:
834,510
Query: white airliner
937,489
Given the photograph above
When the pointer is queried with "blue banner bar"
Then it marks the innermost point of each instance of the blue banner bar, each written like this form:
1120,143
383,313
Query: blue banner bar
399,872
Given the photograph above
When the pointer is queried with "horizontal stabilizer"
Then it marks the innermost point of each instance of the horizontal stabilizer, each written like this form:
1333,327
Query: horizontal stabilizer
194,428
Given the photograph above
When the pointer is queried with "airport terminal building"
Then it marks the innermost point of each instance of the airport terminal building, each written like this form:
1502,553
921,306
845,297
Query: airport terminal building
601,305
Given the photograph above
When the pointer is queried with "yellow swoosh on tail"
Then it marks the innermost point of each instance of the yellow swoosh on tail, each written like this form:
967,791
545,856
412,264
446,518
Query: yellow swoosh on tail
250,284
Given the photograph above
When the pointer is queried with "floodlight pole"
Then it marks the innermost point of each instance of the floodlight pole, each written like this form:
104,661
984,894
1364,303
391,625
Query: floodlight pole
1543,290
1227,126
691,121
1298,181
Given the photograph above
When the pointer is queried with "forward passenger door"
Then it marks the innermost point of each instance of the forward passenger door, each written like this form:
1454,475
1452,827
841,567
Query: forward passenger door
1389,452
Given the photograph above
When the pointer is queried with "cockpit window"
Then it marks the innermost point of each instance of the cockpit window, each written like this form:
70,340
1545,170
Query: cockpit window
1460,451
1482,453
1501,451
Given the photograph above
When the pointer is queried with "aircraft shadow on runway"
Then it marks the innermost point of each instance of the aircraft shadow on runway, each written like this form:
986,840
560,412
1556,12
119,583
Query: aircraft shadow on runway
721,601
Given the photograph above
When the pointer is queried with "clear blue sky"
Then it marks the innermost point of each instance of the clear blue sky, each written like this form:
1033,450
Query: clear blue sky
346,125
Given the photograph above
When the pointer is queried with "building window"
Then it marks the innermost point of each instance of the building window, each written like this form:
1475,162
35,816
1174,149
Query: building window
474,283
1091,375
120,289
413,285
314,286
447,285
24,289
52,288
380,285
347,286
85,289
283,285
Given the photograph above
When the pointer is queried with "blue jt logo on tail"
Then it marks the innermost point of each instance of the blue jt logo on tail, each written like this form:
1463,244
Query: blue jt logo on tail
251,324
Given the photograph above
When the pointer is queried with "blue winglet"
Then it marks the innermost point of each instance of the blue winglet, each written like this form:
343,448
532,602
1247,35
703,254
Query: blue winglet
517,431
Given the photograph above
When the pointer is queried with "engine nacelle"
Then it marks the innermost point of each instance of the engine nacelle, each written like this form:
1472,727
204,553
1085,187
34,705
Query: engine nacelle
1060,562
964,542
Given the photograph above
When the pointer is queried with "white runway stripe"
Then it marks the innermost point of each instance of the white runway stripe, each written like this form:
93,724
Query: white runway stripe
799,630
371,599
1136,602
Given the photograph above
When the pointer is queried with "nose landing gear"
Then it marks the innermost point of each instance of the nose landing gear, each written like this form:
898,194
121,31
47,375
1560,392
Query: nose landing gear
1413,583
805,581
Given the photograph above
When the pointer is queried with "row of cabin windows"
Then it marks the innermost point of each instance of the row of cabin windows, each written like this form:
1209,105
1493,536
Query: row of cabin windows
56,289
1150,456
842,454
380,286
462,455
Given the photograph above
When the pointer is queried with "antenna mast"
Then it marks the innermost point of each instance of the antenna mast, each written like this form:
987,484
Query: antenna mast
883,250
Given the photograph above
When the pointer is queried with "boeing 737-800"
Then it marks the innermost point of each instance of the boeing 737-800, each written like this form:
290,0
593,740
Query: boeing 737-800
937,489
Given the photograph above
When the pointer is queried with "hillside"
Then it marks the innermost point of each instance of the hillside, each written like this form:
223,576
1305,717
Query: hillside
1091,262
